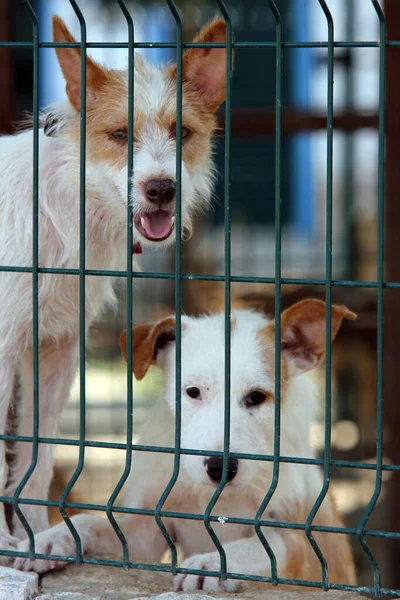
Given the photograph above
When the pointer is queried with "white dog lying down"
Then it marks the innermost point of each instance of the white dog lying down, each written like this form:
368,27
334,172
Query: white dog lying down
252,431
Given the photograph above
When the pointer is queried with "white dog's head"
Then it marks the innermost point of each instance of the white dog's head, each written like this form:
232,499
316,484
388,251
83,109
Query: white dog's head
252,385
155,91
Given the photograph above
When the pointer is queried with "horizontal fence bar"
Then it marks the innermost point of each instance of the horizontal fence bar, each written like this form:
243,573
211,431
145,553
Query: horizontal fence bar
168,569
116,45
194,277
148,512
83,443
194,452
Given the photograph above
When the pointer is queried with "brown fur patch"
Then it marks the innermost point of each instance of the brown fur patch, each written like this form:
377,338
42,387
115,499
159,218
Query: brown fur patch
146,342
302,561
303,327
70,63
204,69
196,117
267,336
107,108
110,112
303,330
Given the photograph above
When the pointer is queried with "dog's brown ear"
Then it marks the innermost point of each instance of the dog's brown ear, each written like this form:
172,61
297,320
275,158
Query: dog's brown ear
204,69
70,63
147,340
303,330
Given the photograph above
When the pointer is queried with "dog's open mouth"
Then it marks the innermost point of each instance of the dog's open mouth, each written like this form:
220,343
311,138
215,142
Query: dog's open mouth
155,226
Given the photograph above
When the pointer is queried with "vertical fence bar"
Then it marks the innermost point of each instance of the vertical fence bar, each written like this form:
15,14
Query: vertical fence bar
361,529
35,281
129,282
349,179
278,249
227,279
380,288
178,287
82,290
328,299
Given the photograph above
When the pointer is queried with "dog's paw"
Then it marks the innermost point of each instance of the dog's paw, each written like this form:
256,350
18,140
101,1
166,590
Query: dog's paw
203,562
7,543
58,543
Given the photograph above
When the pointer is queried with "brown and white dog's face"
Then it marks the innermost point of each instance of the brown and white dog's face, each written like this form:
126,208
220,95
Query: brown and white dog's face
155,90
252,382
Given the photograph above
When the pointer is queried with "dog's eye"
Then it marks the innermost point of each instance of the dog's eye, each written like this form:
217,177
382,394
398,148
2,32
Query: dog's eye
193,392
120,134
255,398
186,133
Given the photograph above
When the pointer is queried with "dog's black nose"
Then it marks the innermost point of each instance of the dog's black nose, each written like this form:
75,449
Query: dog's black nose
160,191
215,465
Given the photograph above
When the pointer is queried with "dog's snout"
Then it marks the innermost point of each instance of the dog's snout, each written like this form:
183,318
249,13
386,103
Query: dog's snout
160,191
215,465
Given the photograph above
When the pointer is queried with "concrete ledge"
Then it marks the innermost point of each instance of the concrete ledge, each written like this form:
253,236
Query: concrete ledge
258,594
65,596
95,582
16,585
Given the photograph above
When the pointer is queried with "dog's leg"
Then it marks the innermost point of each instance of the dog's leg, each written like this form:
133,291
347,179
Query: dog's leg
56,371
246,556
145,541
7,374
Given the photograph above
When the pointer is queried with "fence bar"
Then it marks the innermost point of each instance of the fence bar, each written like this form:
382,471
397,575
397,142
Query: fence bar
349,155
258,523
195,452
129,305
82,289
178,288
200,517
252,578
185,45
328,300
227,293
278,266
244,577
380,323
193,277
35,282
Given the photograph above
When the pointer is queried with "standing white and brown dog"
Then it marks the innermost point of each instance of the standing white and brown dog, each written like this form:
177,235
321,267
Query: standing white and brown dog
252,431
154,205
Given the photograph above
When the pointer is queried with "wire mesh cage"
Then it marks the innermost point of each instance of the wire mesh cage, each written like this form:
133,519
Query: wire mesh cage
331,268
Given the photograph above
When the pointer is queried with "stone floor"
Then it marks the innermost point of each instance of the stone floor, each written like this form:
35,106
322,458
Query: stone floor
92,582
111,583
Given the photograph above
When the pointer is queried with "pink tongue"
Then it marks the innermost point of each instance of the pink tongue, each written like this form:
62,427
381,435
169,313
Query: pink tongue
157,224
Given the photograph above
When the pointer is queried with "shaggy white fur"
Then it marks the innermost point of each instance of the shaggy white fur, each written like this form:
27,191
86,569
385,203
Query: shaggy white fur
252,412
106,186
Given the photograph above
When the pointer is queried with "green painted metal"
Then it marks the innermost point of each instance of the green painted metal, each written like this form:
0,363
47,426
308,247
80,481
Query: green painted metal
178,289
82,290
380,289
194,277
349,44
328,300
35,281
227,287
129,290
259,522
278,255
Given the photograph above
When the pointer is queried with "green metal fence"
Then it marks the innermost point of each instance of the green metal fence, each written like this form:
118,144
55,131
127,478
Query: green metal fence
362,532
